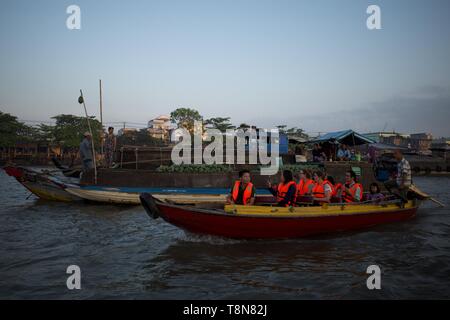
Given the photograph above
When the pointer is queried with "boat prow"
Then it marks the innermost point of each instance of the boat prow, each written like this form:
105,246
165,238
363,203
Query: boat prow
43,185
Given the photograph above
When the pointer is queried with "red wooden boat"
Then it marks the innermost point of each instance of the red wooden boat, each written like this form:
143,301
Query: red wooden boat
266,222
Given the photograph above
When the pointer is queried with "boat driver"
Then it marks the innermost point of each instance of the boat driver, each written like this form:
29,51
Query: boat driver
243,191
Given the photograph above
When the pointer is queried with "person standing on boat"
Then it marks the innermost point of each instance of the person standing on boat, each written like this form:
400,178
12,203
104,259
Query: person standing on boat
86,152
110,147
285,191
243,191
353,191
403,179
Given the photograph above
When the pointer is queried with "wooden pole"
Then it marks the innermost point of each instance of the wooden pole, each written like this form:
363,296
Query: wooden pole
101,103
92,138
101,117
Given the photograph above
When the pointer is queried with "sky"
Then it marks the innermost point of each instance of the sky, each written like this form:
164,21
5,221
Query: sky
308,64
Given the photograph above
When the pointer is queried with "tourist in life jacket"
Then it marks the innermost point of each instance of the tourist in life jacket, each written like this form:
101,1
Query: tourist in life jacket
243,191
329,180
337,188
321,191
353,191
305,183
285,191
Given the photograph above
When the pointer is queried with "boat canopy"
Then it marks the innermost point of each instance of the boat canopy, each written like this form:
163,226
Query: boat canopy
348,137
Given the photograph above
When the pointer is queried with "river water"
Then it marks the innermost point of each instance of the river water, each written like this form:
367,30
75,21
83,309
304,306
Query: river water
122,253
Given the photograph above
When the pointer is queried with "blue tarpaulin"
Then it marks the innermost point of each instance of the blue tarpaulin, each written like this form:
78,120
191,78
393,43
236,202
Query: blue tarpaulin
348,137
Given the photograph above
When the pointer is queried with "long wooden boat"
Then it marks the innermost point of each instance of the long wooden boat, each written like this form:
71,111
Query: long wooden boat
43,185
127,195
265,222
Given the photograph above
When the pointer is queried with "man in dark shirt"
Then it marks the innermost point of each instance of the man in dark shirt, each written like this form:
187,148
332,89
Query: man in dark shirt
318,154
243,191
86,152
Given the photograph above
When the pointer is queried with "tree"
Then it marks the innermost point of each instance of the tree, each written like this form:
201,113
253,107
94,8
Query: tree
282,128
185,117
244,126
138,138
221,124
69,129
13,131
297,132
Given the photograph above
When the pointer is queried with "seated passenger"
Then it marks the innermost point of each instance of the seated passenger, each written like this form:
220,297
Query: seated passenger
353,191
305,184
285,191
337,188
330,181
243,191
340,155
321,191
375,194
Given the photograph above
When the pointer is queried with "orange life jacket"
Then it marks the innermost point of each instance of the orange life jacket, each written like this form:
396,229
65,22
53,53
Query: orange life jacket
331,186
336,188
318,190
303,187
350,196
247,192
282,190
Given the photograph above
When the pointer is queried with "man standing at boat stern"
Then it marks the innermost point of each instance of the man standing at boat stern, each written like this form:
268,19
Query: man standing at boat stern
403,179
243,191
86,152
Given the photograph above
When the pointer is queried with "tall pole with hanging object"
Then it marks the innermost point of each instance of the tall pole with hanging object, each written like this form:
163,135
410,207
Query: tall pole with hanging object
81,101
101,117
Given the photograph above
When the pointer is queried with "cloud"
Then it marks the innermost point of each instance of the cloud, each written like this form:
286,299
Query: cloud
426,109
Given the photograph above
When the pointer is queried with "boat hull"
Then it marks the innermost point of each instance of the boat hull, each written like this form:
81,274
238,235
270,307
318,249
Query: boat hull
41,185
270,226
130,196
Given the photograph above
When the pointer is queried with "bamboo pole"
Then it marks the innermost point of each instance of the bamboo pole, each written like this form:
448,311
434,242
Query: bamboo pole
101,116
92,137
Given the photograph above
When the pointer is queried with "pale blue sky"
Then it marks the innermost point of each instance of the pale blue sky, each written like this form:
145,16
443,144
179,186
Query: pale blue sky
310,64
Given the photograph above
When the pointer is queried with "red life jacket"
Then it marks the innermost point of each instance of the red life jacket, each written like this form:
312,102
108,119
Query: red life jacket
247,192
350,196
282,190
303,187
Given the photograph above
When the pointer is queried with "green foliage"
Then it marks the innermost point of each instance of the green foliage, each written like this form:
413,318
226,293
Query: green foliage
221,124
139,138
69,129
244,126
297,132
67,132
13,131
195,168
282,128
185,117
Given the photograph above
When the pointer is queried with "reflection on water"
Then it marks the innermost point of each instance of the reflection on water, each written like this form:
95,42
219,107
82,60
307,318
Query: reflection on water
124,254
